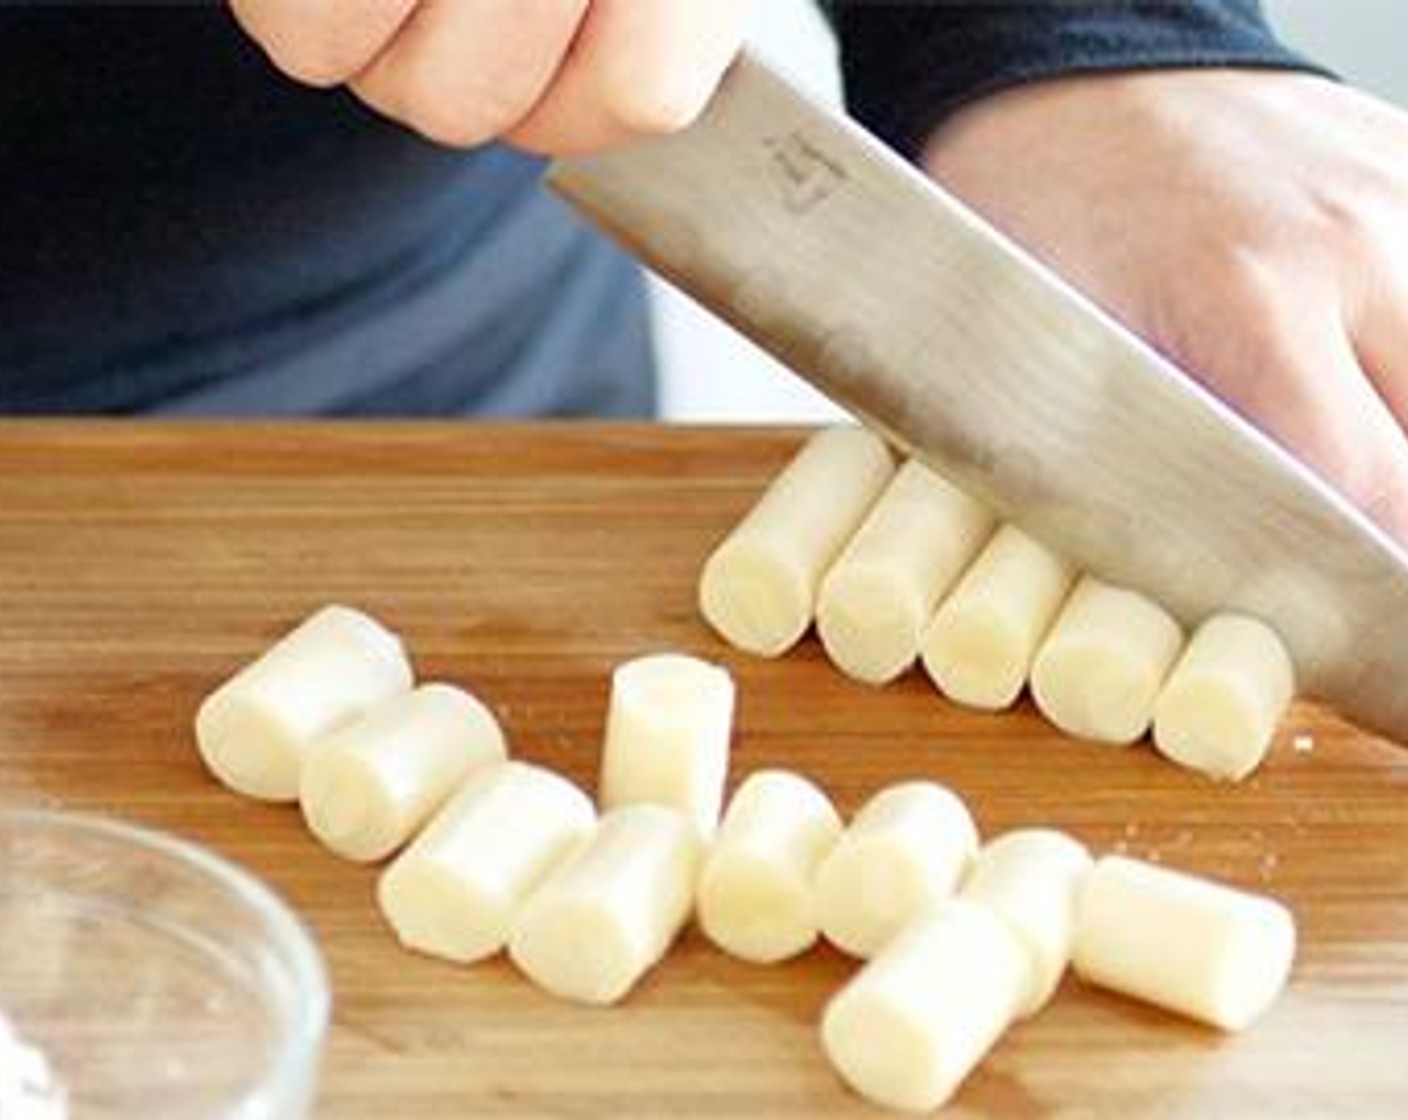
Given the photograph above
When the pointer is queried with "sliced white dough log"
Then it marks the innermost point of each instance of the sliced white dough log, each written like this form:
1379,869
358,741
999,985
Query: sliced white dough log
758,588
254,730
668,731
1099,672
756,896
608,914
908,848
913,1023
979,646
1220,707
453,893
883,589
1187,944
370,786
1031,878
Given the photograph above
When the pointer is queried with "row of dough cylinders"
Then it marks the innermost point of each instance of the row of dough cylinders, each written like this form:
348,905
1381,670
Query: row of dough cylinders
961,938
896,566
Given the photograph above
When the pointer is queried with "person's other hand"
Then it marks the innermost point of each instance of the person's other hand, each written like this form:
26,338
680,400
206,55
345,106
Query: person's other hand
553,76
1253,226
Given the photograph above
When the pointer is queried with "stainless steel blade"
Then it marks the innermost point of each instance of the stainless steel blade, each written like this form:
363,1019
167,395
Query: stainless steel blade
816,241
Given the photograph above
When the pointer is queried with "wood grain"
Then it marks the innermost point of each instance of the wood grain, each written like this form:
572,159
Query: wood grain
140,564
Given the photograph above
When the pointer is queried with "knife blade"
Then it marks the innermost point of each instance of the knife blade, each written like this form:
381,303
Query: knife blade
818,242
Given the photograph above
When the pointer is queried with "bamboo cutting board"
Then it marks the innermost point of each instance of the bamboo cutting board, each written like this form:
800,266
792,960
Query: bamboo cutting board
141,564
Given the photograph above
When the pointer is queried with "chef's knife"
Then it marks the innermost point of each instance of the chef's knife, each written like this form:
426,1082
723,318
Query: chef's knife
819,243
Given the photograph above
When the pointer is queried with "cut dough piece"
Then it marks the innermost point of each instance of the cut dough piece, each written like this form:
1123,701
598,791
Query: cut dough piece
1031,879
1187,944
254,730
758,588
1100,670
667,737
756,898
907,848
1226,697
878,597
979,646
369,787
913,1023
454,891
607,916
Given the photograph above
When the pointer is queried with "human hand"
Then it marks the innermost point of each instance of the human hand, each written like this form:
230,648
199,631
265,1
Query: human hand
552,76
1252,225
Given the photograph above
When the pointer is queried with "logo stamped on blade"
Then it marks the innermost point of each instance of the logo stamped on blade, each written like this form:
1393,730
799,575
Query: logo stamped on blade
804,175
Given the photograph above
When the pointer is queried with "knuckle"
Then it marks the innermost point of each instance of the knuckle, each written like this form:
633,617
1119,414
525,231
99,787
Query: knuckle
1245,337
1349,221
1354,209
465,118
654,108
1247,296
310,44
1250,279
310,67
450,129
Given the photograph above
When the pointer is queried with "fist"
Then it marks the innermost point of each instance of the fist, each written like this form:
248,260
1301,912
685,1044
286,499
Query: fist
551,76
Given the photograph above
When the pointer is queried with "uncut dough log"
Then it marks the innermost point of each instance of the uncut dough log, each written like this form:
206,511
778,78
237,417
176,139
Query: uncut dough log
608,914
1031,878
913,1023
1225,698
454,891
908,848
1187,944
756,898
880,594
1099,672
668,728
254,730
758,588
978,649
369,787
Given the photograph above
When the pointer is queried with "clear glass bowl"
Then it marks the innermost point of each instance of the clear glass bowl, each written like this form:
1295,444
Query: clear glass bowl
141,976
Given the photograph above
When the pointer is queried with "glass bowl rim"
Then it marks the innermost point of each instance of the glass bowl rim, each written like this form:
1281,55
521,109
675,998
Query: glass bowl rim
294,1063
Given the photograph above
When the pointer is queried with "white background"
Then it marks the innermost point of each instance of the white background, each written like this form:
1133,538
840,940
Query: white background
709,373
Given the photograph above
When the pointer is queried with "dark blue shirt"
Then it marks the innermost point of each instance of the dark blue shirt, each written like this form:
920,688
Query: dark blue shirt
182,230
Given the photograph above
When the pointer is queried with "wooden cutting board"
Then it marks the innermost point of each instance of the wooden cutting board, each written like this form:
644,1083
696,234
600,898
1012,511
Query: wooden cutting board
139,565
